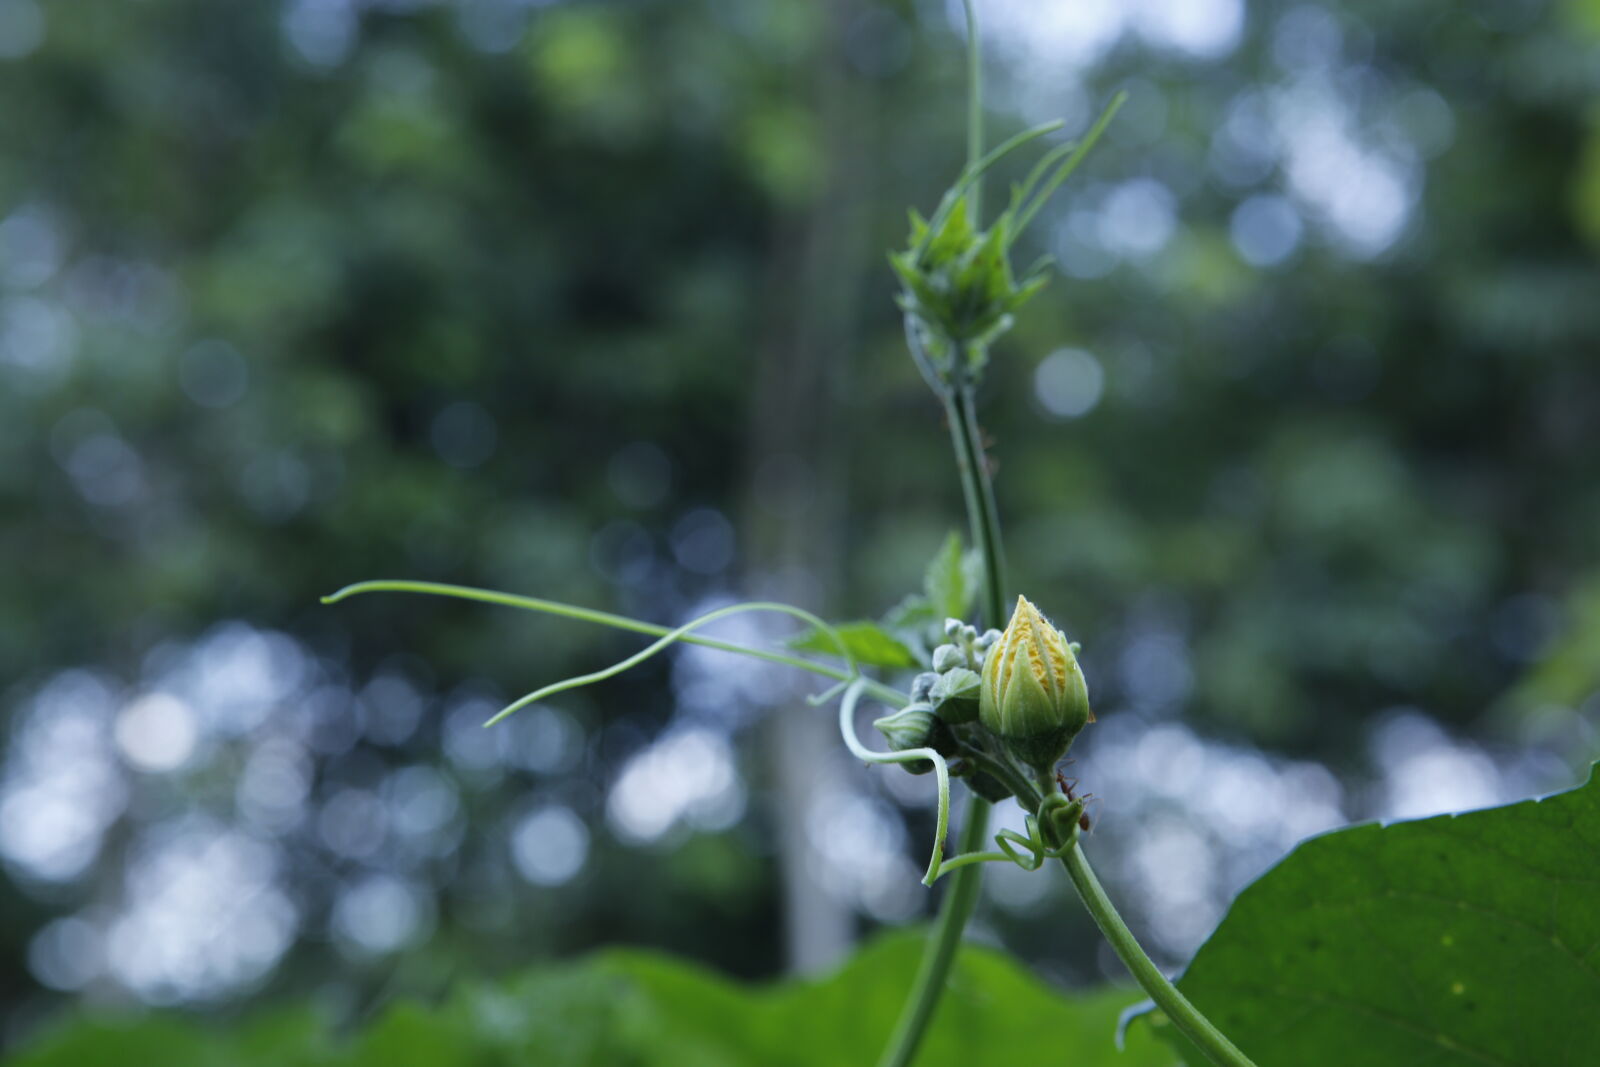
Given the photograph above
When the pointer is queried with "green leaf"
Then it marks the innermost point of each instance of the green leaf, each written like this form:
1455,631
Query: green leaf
951,239
915,622
641,1009
955,695
951,580
1463,939
118,1042
913,615
277,1039
869,643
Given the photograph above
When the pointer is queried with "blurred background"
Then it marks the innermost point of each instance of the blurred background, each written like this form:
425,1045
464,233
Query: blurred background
588,300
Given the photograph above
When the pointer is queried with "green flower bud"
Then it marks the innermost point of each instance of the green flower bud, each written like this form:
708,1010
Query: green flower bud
948,657
955,695
1033,694
915,726
922,685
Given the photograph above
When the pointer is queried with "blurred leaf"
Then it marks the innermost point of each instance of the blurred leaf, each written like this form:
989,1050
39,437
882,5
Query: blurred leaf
913,614
951,581
869,643
278,1040
115,1044
916,623
638,1009
1468,938
1570,670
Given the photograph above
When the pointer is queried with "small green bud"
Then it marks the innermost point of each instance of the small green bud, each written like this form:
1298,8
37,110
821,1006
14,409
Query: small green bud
954,695
915,726
952,628
1061,819
922,685
1033,694
948,657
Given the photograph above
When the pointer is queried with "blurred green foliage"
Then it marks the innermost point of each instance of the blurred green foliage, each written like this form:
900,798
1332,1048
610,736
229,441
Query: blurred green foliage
632,1008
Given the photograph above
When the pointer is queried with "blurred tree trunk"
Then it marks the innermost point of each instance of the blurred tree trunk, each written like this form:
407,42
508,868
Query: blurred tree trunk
798,459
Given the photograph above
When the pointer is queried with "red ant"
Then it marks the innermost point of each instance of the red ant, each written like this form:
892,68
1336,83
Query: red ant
1067,785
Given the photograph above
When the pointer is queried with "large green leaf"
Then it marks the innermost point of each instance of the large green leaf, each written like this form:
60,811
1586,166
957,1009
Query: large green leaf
1470,939
635,1009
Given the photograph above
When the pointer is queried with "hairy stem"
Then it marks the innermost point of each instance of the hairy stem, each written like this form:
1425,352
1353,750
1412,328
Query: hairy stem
1184,1015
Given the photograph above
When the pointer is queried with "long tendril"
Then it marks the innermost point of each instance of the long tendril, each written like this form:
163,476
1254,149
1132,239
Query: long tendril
847,729
557,608
672,637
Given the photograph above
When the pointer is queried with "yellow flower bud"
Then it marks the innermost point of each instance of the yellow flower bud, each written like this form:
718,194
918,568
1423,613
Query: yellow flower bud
1033,695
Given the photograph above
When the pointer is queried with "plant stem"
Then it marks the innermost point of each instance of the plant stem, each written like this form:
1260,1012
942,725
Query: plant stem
974,107
985,516
1184,1015
954,911
962,896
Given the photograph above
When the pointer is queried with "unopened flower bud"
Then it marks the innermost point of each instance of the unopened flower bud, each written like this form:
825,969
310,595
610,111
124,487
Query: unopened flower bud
915,726
948,657
1033,694
922,685
952,627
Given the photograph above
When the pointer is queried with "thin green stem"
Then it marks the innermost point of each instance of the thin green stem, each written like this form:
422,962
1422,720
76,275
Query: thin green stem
1184,1015
877,690
985,516
971,493
974,107
962,897
959,902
